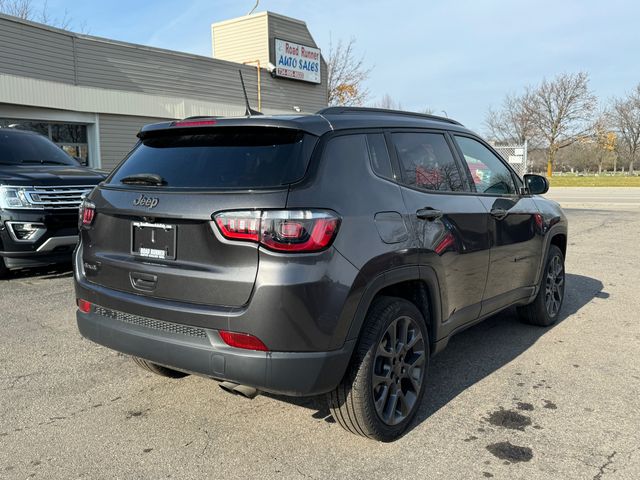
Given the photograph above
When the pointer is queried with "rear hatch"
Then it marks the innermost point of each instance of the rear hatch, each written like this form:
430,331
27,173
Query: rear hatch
153,233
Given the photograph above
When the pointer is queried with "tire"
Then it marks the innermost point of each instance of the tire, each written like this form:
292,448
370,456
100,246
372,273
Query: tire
4,271
377,372
545,309
159,369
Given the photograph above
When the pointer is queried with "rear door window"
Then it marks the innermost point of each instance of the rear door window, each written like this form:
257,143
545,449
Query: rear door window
227,158
427,162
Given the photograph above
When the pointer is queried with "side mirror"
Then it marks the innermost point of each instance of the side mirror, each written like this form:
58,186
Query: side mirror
537,184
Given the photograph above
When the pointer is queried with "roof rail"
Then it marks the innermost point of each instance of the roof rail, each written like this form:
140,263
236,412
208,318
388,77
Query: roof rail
365,110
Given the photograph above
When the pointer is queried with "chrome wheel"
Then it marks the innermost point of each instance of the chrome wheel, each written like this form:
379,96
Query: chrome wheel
554,286
398,370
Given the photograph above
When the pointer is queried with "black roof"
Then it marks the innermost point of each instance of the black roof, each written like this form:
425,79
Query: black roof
342,118
323,121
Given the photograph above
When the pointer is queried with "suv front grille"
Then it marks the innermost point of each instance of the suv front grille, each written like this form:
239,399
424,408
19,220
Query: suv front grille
64,197
151,323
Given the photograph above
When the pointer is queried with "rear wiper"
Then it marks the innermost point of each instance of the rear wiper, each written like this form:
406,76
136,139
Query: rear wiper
143,179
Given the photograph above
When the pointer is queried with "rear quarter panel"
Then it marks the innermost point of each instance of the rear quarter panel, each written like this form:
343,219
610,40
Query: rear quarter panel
341,179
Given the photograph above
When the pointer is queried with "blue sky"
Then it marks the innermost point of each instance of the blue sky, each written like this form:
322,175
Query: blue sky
461,57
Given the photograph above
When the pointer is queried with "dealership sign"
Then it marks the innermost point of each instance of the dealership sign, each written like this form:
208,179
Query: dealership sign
298,62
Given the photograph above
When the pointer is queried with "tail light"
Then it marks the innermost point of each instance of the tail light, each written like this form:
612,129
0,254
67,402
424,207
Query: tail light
242,340
281,230
239,225
83,305
87,214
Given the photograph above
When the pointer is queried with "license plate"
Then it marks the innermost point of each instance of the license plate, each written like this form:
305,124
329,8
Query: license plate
153,240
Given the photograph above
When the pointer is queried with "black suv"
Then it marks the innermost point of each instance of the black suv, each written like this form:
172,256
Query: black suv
331,254
41,188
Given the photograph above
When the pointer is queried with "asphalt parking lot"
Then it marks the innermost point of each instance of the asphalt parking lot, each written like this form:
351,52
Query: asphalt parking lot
504,401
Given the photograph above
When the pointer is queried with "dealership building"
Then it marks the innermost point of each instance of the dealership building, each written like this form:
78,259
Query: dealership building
91,95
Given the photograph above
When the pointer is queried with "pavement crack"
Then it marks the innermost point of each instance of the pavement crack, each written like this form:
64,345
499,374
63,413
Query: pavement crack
303,474
208,442
14,379
605,466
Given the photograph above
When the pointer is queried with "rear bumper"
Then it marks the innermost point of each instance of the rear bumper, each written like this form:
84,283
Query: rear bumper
201,351
295,306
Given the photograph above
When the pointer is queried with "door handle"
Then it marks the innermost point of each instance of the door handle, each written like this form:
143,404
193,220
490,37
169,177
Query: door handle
143,281
499,213
428,213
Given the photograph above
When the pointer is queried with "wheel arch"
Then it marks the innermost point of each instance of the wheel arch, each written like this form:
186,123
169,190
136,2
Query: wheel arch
557,235
417,284
559,239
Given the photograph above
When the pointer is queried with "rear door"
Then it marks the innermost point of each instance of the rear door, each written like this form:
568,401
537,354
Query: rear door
514,221
160,240
449,222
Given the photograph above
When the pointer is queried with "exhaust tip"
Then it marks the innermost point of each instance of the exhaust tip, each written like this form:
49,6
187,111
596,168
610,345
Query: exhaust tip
228,386
236,389
248,392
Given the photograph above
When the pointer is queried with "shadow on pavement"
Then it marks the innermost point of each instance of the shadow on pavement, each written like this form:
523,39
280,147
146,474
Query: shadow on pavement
477,352
62,270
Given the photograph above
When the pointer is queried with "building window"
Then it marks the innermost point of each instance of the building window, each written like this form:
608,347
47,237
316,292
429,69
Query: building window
71,137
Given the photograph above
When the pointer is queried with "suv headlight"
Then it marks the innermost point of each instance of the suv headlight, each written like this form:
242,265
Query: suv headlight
14,197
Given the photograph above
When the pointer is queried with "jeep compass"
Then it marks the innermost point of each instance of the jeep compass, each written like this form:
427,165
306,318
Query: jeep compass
332,253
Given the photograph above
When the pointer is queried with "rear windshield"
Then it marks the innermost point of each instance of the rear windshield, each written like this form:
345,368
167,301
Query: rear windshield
20,148
234,158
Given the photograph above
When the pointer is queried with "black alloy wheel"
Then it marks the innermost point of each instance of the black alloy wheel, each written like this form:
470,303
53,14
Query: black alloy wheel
383,386
398,370
554,286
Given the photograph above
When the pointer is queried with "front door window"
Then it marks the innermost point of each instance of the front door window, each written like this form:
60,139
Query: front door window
488,173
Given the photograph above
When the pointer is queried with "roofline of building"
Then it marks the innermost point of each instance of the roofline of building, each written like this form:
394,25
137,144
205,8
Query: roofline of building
258,14
137,46
31,92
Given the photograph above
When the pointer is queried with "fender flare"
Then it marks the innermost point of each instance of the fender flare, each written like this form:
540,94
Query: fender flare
558,229
391,277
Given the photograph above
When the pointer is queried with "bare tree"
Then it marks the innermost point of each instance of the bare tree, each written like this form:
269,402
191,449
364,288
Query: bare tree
18,8
561,111
625,119
25,10
511,123
388,102
347,74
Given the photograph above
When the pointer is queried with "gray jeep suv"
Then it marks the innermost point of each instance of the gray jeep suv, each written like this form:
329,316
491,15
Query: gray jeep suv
332,253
